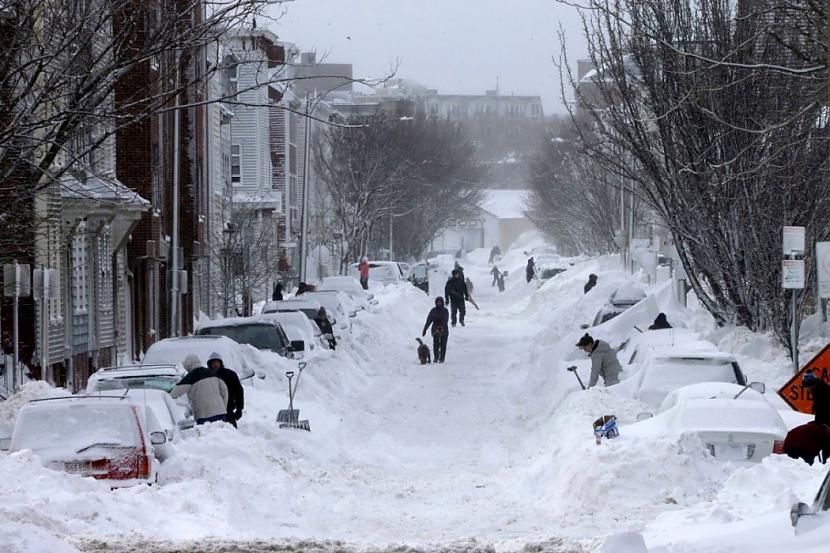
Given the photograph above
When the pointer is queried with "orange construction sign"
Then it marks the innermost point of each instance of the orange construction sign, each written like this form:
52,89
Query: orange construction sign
798,397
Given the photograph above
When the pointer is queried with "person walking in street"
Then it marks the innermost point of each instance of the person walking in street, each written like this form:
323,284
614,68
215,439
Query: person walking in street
530,271
604,361
438,319
495,272
500,282
363,269
326,330
821,396
277,295
493,253
592,281
236,394
660,323
456,294
207,393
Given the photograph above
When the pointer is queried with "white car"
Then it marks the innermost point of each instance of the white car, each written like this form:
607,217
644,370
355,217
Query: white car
106,438
625,297
383,272
169,415
349,286
734,423
633,350
174,350
159,377
308,306
664,370
298,327
337,304
808,517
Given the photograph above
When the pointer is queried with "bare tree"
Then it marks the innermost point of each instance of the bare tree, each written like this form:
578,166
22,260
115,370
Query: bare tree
416,174
719,111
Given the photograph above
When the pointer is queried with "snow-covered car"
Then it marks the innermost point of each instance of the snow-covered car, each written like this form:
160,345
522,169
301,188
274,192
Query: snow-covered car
168,416
633,350
338,305
406,269
157,377
298,327
266,335
548,266
308,306
383,272
734,423
623,298
98,436
174,350
419,276
349,286
664,370
808,517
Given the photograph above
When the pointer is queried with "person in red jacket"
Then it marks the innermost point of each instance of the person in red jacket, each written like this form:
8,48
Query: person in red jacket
808,441
364,273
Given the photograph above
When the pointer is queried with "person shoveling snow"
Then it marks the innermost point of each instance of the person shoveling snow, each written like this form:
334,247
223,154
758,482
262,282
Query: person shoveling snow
604,361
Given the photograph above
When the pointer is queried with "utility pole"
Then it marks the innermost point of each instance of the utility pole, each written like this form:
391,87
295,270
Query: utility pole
174,253
304,213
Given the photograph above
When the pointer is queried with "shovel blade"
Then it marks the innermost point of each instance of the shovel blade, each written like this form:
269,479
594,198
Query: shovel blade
288,415
298,425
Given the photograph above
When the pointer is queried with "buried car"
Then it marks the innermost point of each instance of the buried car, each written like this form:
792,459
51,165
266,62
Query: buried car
303,333
266,335
349,286
808,517
105,437
152,377
623,298
174,350
734,423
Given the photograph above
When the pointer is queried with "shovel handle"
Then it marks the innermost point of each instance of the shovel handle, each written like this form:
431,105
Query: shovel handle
289,374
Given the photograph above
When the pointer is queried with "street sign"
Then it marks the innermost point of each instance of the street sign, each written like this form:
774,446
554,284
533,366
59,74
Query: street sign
794,240
17,275
823,264
794,394
792,273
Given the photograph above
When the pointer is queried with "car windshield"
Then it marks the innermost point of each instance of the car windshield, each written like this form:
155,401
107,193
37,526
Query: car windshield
164,383
260,336
311,313
670,374
75,427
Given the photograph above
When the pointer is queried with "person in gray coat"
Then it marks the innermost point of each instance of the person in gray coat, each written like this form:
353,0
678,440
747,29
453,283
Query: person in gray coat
604,361
207,392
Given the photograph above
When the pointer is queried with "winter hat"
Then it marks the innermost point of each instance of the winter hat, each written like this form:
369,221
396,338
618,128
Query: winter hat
191,362
215,357
592,276
809,379
585,341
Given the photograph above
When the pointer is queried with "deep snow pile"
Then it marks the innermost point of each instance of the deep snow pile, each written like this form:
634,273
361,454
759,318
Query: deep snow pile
495,445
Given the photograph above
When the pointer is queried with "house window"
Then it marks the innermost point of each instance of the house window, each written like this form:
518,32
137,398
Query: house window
80,287
236,164
233,78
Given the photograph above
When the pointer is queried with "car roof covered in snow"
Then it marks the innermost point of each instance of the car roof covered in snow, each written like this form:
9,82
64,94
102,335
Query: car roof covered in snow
235,321
700,350
628,294
162,369
709,390
291,304
727,415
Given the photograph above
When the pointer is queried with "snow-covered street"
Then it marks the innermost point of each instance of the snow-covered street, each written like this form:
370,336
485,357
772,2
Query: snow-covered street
492,449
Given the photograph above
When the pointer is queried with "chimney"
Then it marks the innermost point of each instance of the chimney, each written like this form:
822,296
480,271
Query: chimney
583,67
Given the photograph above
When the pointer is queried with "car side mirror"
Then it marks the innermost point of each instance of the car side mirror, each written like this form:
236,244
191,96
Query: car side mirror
186,424
247,373
297,345
799,510
261,376
584,326
644,416
759,387
158,438
5,444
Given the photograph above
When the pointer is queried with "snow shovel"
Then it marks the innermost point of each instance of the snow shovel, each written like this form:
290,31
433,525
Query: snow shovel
471,300
289,418
572,369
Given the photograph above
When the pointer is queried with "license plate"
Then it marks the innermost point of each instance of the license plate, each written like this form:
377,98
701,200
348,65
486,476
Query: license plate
77,467
732,452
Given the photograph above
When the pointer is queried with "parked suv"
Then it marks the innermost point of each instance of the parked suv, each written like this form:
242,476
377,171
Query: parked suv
260,333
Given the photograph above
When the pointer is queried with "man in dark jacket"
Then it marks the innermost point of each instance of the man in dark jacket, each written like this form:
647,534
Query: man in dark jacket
660,323
495,272
326,330
592,281
236,395
821,396
277,295
456,293
493,253
530,271
438,318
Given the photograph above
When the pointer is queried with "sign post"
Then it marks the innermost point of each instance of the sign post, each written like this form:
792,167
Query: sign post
16,284
823,275
793,279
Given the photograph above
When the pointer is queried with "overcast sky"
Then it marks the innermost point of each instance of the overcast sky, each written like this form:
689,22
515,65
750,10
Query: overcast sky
456,46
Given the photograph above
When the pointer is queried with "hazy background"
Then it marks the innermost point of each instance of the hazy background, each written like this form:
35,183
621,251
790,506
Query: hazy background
456,46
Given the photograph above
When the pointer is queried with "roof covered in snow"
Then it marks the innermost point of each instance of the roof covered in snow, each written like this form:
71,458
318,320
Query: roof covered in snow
505,204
